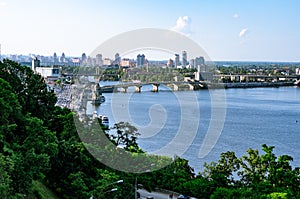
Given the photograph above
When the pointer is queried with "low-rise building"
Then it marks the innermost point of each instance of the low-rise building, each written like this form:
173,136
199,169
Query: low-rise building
126,63
49,73
204,76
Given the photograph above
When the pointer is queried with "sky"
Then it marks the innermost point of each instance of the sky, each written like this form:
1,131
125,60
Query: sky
228,30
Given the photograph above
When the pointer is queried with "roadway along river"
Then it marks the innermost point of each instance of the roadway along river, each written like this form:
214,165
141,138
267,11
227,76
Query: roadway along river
253,117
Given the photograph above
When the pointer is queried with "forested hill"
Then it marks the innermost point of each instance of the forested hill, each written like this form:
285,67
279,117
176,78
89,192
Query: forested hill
40,147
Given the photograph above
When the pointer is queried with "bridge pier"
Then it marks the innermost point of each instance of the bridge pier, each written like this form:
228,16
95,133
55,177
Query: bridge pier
192,87
138,88
176,87
124,89
155,87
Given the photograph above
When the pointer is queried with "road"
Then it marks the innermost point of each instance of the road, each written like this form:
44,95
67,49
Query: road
156,195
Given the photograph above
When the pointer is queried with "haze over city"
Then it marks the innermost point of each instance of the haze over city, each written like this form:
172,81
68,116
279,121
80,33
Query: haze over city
226,30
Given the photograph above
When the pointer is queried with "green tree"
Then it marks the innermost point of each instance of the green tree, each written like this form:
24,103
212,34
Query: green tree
224,170
232,193
30,88
10,113
6,167
274,172
126,135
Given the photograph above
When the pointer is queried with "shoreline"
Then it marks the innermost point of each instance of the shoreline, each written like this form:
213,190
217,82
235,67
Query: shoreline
250,85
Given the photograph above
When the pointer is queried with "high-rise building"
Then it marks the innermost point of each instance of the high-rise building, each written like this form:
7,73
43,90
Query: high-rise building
63,58
55,59
117,59
83,59
140,60
170,63
199,61
176,60
90,61
35,63
184,59
192,63
99,60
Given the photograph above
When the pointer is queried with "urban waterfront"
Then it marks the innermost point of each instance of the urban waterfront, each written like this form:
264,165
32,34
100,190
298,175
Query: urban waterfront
253,117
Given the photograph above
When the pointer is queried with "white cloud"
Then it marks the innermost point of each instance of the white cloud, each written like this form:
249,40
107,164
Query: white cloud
3,3
236,15
243,32
183,25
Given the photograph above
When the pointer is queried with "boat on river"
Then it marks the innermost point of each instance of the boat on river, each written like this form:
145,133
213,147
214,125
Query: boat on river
107,89
104,120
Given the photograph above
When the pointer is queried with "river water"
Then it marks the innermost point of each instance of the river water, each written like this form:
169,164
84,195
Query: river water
253,117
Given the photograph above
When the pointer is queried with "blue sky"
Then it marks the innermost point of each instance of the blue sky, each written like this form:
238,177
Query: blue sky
252,30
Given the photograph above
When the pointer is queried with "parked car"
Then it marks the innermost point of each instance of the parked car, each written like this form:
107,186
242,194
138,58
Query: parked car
181,197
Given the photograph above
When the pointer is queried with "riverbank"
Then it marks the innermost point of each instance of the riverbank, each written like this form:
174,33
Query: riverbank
250,85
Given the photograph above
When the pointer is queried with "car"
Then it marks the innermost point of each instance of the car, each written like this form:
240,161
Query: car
181,197
149,197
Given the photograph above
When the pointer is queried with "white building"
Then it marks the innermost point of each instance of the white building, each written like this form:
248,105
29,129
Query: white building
49,73
203,76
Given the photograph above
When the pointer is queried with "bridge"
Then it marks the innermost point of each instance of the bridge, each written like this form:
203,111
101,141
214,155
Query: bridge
175,85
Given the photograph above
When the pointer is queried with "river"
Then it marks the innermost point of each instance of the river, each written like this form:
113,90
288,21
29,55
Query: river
253,117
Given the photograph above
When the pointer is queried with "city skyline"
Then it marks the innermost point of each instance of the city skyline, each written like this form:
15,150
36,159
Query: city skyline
226,30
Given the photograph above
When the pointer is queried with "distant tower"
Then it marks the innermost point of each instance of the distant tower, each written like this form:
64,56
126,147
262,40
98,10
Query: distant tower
55,59
83,59
99,60
199,64
89,61
192,63
117,58
63,58
35,63
176,60
184,59
140,60
170,63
